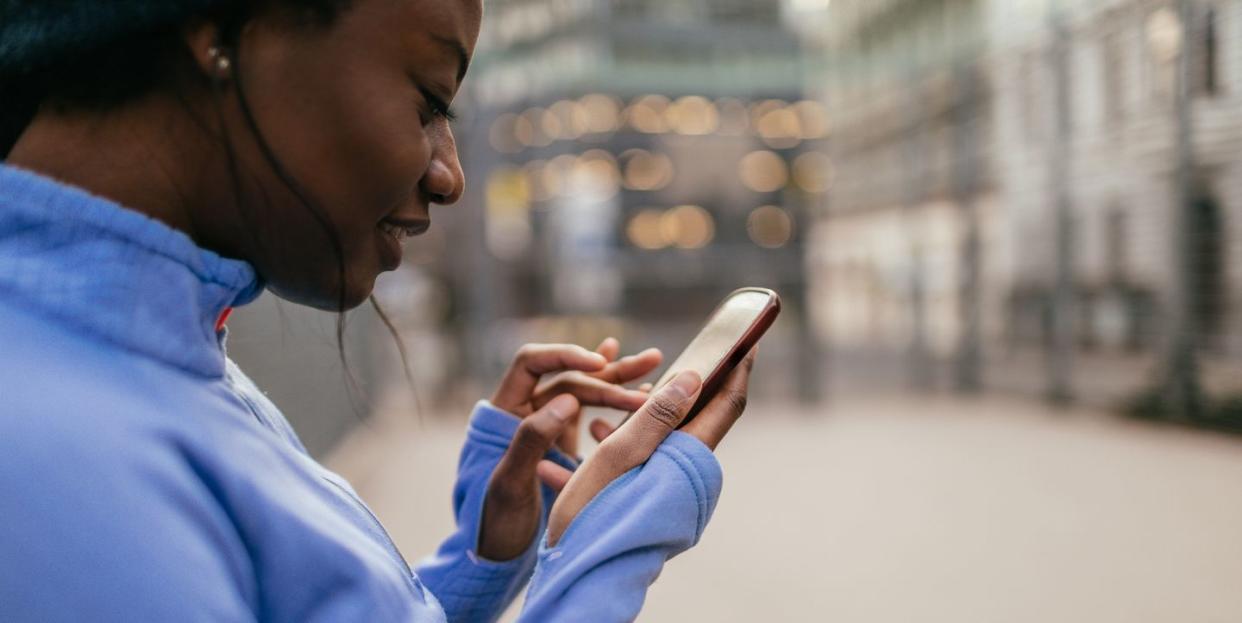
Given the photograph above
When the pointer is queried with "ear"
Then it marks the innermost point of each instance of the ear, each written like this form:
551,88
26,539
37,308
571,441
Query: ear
212,59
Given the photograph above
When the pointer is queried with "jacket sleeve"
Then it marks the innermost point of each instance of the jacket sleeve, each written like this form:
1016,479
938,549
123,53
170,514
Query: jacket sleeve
469,587
96,531
617,545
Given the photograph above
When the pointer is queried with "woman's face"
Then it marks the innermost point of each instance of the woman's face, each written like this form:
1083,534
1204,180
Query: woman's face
354,111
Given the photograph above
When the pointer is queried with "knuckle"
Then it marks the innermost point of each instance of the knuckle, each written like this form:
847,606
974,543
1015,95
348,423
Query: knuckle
748,363
554,387
526,351
534,434
736,401
566,381
665,410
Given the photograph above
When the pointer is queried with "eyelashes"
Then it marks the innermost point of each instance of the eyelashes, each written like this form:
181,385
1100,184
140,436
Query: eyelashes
445,112
439,107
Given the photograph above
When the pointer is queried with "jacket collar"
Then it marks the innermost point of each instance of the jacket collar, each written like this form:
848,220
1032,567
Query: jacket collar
116,274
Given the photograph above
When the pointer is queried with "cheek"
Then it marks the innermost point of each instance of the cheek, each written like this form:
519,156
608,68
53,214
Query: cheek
347,122
383,153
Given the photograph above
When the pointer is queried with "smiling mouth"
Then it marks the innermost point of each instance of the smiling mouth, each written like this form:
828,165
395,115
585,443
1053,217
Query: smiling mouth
400,231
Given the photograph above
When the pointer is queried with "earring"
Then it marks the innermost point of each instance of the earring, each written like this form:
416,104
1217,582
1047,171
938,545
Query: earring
221,60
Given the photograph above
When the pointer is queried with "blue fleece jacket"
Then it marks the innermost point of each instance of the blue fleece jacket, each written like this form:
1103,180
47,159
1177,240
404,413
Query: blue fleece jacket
143,477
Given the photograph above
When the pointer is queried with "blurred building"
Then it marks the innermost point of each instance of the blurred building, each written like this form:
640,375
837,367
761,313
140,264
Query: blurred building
1011,181
1112,151
631,162
909,255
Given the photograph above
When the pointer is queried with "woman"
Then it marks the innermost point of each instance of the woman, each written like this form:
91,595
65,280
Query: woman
167,160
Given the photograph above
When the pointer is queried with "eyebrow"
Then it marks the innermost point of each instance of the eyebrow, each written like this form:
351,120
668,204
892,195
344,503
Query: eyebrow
455,46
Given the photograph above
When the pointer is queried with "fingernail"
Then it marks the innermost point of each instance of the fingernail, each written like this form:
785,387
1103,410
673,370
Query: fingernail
686,383
560,407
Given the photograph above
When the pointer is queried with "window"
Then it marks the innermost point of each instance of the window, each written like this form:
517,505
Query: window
1029,76
1114,83
1116,244
1206,59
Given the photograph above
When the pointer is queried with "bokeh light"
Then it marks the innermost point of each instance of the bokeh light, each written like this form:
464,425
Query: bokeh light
644,170
539,190
812,119
780,128
508,231
646,114
555,175
813,172
595,173
770,227
693,116
644,230
502,135
1164,34
524,130
602,113
572,117
761,108
531,125
763,171
688,227
551,127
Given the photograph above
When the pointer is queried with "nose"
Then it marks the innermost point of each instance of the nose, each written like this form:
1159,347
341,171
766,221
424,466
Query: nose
444,180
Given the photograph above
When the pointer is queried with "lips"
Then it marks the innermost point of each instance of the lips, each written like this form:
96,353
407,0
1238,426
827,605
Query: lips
400,229
393,232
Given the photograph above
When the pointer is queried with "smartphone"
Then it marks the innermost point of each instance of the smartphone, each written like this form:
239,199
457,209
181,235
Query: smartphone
729,334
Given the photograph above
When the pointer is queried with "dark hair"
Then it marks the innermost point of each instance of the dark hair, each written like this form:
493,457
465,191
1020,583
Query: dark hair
83,55
112,70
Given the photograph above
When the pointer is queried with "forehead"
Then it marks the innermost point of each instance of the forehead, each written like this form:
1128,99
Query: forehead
455,19
428,33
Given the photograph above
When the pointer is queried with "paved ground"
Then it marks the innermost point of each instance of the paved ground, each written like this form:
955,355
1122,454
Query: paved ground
913,510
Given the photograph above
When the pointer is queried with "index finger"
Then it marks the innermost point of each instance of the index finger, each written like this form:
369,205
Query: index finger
535,360
626,369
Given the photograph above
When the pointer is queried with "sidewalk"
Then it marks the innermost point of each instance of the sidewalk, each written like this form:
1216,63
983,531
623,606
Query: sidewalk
907,509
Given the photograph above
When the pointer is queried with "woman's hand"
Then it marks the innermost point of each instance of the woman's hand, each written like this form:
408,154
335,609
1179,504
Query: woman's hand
634,442
550,409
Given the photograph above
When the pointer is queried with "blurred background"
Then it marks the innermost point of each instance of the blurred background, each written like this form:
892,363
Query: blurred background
1007,381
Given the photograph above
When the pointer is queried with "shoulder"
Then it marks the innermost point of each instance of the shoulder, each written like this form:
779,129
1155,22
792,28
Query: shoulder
97,472
81,406
114,521
58,382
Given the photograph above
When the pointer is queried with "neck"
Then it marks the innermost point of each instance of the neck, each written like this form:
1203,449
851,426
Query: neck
146,155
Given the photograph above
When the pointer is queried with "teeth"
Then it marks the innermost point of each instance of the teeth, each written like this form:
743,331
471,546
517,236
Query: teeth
400,233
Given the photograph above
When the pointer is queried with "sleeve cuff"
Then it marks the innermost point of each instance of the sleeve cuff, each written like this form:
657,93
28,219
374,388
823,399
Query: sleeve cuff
494,428
680,461
702,470
618,544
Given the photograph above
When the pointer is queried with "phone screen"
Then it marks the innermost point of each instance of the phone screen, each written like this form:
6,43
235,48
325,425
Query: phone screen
735,316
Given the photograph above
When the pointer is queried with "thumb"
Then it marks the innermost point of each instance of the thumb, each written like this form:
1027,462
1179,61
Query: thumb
631,445
665,409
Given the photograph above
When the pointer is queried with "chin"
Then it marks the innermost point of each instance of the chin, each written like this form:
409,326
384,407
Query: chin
324,296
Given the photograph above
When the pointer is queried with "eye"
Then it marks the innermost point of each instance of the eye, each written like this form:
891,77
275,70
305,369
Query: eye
439,107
